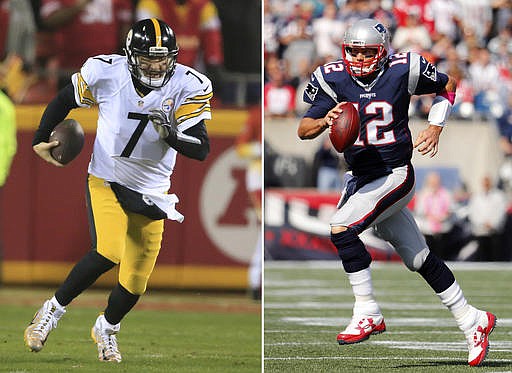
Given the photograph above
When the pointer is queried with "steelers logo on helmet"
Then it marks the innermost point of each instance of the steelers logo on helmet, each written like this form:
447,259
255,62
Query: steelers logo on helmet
152,51
365,47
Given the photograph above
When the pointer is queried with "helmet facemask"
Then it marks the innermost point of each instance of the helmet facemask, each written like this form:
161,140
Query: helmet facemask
153,70
375,57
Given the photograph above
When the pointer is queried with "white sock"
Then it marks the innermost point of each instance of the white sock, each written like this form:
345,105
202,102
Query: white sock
465,314
56,303
362,288
59,308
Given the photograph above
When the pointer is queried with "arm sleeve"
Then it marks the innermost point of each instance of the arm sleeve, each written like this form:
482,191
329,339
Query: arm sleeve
55,112
194,151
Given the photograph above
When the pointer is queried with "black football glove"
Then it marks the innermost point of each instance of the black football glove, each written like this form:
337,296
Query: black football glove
167,128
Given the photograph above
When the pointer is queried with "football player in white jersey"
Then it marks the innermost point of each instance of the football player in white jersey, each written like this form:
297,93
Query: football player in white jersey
150,109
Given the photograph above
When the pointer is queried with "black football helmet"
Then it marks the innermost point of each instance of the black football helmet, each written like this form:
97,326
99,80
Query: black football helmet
152,51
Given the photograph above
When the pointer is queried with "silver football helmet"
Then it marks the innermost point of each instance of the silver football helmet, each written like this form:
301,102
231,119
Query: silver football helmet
369,37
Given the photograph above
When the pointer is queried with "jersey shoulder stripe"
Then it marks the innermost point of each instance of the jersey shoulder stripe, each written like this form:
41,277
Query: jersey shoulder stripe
318,74
189,110
414,72
83,94
197,93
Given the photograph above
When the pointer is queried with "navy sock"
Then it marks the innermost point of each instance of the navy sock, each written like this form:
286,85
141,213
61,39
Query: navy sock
351,250
436,273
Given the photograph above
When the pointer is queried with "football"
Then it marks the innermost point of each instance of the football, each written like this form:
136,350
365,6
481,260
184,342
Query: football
71,137
345,129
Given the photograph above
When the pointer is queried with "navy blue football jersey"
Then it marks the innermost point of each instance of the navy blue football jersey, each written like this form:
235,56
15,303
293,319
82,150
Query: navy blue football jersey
384,139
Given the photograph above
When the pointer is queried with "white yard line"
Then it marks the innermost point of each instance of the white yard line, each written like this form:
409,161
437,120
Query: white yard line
350,305
335,264
415,358
496,346
430,322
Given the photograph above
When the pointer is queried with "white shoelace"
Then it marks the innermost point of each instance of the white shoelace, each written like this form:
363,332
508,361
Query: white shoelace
44,326
110,344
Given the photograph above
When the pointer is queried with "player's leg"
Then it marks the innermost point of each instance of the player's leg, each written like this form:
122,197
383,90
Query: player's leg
108,224
143,243
361,206
402,232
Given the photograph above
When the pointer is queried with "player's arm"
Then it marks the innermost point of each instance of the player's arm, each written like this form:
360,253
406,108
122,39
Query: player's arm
429,80
192,142
309,128
427,141
189,149
324,107
56,111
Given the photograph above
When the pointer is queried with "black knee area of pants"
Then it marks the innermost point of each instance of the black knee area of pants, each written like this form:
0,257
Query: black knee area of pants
83,275
120,302
351,250
436,273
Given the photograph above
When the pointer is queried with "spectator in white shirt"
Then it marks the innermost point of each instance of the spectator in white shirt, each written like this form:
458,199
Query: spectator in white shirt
487,215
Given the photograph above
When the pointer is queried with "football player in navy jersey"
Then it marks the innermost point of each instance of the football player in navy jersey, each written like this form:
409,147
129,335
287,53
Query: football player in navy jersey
380,182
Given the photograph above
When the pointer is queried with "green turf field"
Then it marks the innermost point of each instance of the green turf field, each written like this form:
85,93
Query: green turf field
308,303
165,332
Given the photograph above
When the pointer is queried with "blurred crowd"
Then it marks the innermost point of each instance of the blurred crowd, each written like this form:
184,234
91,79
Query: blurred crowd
43,42
468,39
471,40
463,225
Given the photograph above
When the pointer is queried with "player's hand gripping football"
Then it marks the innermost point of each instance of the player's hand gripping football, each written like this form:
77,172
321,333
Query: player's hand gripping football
166,127
333,114
43,150
428,140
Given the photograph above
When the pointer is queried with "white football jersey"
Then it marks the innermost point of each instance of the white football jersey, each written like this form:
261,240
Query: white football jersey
127,148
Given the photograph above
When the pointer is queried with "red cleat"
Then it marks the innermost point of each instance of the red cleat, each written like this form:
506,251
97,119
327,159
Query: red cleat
360,329
478,340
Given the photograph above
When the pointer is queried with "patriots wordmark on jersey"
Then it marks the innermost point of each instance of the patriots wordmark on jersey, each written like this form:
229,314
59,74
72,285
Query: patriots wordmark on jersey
384,140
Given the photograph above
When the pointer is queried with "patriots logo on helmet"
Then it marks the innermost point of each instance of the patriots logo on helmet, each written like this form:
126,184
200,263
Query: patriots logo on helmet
380,28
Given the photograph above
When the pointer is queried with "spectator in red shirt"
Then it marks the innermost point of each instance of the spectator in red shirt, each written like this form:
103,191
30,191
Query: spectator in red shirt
402,8
84,28
279,96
